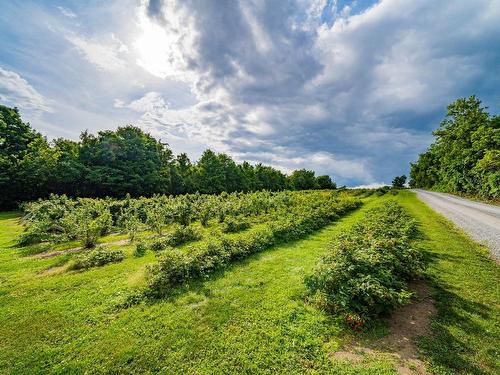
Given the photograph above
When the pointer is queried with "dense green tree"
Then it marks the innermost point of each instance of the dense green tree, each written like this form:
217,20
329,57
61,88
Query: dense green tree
464,155
269,178
248,179
210,173
125,161
182,175
325,182
69,172
233,177
399,182
302,179
17,139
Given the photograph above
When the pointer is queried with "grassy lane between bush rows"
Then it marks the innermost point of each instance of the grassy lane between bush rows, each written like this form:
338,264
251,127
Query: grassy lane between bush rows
465,283
176,267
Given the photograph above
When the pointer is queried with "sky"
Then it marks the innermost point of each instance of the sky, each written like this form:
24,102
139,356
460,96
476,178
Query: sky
352,89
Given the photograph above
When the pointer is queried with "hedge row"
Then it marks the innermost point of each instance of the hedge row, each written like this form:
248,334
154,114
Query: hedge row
176,267
368,269
97,258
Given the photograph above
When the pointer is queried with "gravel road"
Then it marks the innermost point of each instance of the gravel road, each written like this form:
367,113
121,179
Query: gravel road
480,220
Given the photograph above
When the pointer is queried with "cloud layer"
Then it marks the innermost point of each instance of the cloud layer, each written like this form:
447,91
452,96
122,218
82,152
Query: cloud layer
355,97
352,89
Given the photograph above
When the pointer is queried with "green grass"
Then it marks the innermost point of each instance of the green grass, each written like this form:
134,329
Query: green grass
251,318
466,289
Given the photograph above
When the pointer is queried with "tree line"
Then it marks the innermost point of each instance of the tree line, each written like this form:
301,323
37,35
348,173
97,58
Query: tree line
465,155
125,161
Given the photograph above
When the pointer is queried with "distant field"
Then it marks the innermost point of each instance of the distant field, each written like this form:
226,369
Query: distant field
246,314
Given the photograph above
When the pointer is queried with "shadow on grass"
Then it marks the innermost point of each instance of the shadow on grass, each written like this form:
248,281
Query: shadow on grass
444,350
26,251
198,285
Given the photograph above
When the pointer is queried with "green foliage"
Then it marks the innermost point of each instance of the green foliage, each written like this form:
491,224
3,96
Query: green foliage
399,182
465,155
367,271
182,211
311,212
129,218
43,220
87,221
325,182
156,215
302,180
17,141
382,190
140,249
97,258
205,212
179,236
234,224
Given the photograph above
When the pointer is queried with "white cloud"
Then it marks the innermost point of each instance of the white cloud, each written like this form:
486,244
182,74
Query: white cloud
373,185
104,57
152,102
16,91
67,12
161,49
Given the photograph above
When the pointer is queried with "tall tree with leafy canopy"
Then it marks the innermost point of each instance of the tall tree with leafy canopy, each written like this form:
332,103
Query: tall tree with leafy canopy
210,173
269,178
325,182
17,139
399,182
302,179
125,161
464,157
182,175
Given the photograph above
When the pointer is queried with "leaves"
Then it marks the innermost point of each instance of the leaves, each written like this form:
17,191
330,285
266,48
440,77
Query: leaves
366,272
462,157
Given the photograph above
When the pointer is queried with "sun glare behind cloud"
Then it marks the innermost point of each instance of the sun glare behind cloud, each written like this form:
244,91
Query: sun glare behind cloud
157,50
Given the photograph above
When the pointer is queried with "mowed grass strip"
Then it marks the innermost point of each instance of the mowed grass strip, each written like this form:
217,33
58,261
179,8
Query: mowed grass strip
466,288
251,318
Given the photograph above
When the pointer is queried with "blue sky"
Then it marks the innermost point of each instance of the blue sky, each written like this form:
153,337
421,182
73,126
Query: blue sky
348,88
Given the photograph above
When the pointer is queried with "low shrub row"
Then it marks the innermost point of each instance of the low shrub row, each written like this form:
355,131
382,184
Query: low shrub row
60,219
97,258
179,236
368,269
234,224
177,267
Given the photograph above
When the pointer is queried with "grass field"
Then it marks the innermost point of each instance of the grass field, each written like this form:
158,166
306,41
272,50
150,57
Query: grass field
252,318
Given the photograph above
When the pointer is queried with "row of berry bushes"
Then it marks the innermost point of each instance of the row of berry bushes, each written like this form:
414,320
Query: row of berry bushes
176,267
97,258
367,271
60,219
179,236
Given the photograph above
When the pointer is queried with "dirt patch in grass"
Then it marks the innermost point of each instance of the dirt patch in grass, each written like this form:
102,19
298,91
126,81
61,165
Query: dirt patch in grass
78,249
59,252
53,270
405,325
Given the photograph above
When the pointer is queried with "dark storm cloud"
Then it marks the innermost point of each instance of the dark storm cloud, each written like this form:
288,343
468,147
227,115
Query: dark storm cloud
366,88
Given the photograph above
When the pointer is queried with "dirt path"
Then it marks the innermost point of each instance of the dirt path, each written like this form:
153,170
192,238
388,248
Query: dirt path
406,324
77,249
